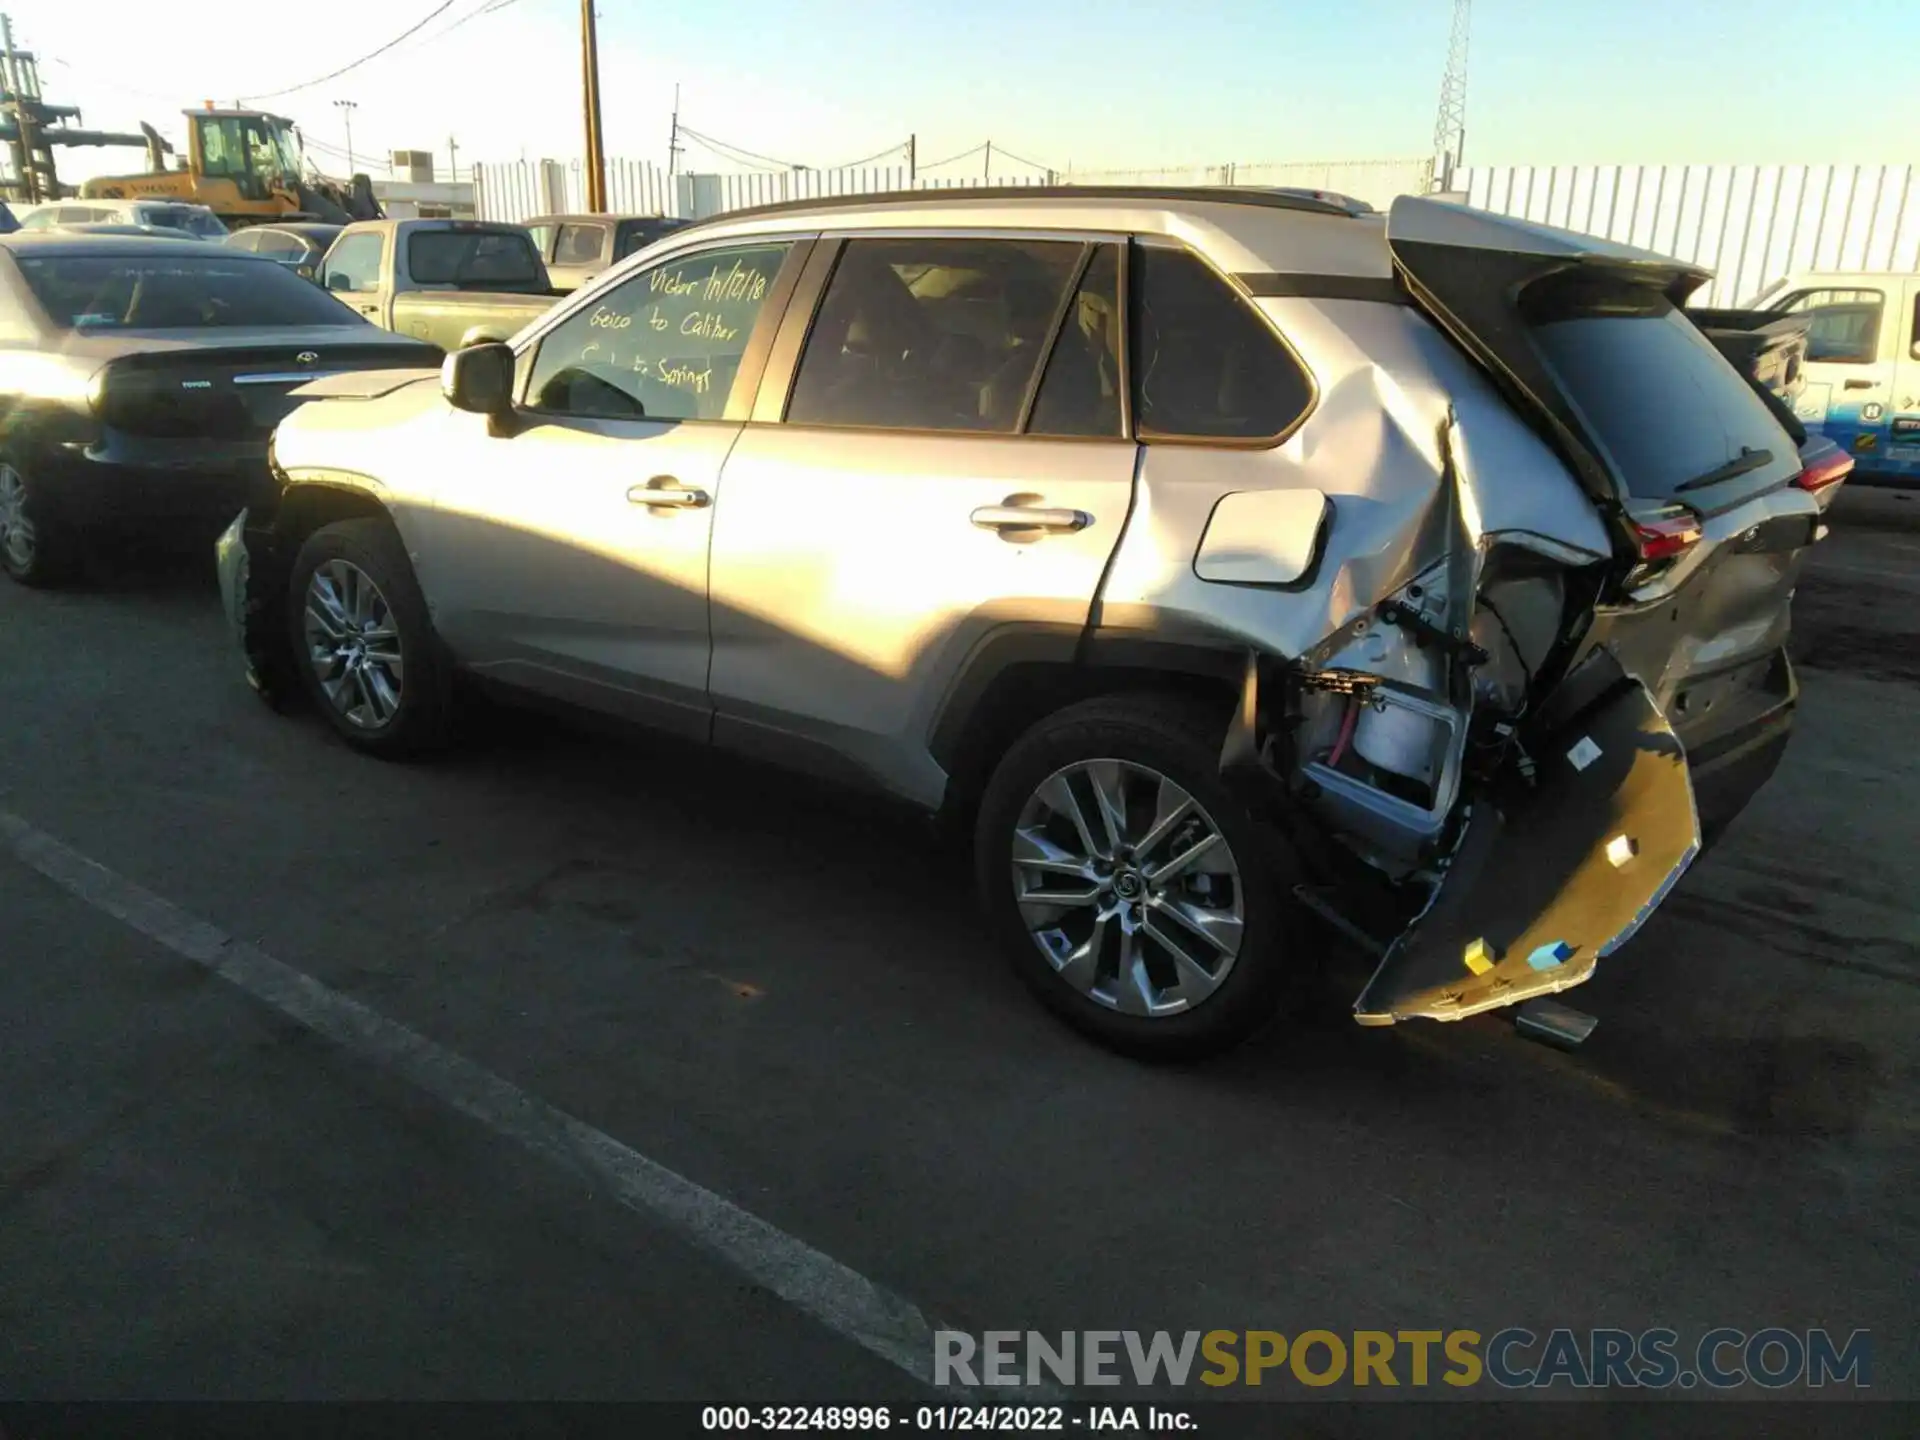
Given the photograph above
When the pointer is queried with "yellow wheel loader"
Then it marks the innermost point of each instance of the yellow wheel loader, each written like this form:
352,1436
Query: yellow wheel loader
248,167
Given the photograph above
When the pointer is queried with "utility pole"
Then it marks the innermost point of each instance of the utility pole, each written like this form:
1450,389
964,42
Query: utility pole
913,158
346,108
453,160
590,97
986,171
673,138
1450,125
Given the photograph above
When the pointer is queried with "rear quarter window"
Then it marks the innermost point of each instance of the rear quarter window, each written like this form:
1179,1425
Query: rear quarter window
1662,403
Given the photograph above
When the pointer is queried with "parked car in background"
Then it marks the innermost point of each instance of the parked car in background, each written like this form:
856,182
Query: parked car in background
1157,536
1862,385
576,248
1770,349
151,232
173,214
449,282
299,247
158,371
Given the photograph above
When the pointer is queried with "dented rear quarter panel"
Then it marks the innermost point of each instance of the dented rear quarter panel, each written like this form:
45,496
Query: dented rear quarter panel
1387,385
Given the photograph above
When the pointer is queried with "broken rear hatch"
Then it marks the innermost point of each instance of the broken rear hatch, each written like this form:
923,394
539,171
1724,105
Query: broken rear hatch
1592,817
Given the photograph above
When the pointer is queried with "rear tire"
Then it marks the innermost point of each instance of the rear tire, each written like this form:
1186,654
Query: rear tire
36,548
363,642
1230,911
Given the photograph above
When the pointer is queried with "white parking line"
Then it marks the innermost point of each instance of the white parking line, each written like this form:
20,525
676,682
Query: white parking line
843,1300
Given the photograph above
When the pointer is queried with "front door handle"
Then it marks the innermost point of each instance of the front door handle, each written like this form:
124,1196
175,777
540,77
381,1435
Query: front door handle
1013,516
1859,385
665,492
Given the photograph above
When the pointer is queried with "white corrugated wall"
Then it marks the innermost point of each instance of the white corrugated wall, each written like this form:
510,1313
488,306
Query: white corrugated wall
1749,224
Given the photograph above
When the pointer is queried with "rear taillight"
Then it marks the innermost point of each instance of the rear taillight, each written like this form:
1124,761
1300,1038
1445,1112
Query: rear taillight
1829,469
1665,537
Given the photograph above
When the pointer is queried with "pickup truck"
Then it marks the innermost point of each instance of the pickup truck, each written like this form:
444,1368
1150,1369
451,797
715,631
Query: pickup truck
1862,384
450,282
576,248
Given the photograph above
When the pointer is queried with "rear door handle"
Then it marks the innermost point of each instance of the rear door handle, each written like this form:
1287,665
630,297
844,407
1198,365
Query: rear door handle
1858,385
665,492
1030,517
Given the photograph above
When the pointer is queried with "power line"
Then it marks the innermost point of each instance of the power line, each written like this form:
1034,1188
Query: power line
1034,164
720,146
936,164
722,155
869,159
415,28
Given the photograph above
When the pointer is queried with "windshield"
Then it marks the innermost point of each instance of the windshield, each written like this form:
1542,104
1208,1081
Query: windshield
175,292
191,218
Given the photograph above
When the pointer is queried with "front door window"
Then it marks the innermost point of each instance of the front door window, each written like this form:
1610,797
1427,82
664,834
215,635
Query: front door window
665,345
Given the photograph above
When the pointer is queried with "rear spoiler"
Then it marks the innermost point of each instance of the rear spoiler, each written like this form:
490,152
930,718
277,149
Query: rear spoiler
1468,270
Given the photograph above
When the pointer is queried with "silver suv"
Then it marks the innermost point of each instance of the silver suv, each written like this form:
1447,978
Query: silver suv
1218,556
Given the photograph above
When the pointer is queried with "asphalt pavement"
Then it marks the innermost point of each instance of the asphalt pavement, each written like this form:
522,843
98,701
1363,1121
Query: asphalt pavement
657,968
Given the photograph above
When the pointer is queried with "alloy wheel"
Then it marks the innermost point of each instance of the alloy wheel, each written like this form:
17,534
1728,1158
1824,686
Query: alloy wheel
17,538
353,644
1128,887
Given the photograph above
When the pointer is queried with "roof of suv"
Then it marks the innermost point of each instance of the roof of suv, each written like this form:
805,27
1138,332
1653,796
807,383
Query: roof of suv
1243,230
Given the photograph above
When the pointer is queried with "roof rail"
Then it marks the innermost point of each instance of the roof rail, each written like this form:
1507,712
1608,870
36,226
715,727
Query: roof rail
1312,202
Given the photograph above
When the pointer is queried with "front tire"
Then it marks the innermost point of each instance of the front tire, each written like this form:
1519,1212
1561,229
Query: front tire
363,641
35,547
1134,892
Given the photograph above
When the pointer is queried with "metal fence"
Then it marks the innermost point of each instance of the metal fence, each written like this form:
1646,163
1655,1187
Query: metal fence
519,189
1750,224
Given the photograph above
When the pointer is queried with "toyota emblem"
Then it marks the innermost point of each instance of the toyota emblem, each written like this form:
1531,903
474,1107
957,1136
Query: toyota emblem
308,357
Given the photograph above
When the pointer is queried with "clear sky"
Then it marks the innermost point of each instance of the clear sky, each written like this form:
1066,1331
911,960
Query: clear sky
1081,83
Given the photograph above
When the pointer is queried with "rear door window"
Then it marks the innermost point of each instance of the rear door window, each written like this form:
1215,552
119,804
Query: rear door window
1207,365
1080,391
932,333
1662,403
282,246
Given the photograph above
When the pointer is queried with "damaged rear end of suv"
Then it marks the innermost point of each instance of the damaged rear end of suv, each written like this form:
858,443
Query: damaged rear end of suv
1573,672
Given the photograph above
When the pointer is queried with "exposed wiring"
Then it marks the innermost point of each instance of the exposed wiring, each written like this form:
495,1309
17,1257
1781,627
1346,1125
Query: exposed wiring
410,31
1347,723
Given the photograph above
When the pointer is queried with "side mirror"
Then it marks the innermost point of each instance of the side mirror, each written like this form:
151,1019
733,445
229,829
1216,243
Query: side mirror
479,379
